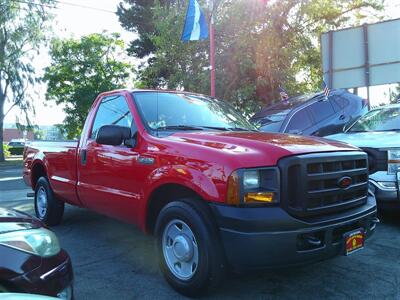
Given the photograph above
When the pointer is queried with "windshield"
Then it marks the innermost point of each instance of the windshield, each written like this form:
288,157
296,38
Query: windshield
16,144
383,119
176,111
272,122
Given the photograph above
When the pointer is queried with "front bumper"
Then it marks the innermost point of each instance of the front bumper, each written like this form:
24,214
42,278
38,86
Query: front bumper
53,277
255,238
385,196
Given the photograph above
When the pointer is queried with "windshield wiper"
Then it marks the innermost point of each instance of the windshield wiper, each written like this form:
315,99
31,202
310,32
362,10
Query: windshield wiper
241,129
193,127
392,129
227,128
383,130
215,127
180,127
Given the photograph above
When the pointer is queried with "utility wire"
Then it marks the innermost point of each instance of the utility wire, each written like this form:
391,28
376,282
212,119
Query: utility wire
85,6
66,3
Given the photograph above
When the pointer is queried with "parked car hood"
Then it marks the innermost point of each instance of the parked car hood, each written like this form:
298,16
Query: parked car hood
371,139
258,148
13,220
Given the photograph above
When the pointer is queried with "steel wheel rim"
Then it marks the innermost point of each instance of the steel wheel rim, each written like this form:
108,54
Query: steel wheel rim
180,249
41,202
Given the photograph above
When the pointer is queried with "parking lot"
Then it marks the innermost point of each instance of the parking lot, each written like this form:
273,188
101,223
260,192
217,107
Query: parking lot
114,260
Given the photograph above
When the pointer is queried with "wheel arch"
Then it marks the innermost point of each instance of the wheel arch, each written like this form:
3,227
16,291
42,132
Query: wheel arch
38,170
165,194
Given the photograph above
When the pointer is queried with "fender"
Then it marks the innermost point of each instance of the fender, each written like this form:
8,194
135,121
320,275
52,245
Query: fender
38,158
182,175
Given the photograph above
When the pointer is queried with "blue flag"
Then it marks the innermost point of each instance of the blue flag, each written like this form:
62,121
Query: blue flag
196,27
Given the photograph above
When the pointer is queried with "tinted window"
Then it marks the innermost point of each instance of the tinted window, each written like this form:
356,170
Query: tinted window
283,106
300,121
271,127
113,110
160,110
321,110
339,103
16,144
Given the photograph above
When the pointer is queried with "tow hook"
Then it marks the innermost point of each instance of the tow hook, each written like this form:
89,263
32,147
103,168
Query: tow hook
374,221
312,240
308,241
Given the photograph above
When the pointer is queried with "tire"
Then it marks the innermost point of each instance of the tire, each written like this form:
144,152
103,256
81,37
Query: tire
3,289
48,208
191,270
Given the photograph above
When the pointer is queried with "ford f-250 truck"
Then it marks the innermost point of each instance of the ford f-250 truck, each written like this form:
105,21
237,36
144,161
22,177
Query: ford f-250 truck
214,191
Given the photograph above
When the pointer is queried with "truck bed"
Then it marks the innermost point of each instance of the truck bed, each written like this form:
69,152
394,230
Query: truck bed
59,158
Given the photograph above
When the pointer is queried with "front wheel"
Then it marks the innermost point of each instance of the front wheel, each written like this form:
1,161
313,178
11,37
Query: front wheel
3,289
48,208
189,251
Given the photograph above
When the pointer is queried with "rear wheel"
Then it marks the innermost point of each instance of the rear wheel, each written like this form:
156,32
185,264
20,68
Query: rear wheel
189,250
47,207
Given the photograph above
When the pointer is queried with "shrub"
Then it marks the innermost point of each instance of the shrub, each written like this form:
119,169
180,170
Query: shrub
6,150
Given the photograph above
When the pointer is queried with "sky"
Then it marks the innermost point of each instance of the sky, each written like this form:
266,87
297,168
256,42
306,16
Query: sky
73,21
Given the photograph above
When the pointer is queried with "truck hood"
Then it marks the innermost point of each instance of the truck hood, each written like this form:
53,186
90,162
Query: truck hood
258,148
374,139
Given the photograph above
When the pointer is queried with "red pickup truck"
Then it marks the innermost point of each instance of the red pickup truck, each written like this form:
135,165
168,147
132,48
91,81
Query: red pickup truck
216,193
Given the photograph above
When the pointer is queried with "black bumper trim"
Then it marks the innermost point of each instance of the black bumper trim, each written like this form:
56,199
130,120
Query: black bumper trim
256,238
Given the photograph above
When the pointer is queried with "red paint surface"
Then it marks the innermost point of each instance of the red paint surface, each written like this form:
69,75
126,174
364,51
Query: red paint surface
114,183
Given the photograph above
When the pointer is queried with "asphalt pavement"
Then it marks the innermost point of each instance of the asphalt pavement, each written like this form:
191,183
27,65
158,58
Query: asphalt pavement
114,260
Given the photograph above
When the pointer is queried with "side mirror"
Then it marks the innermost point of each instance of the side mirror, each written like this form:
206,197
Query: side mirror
347,126
113,135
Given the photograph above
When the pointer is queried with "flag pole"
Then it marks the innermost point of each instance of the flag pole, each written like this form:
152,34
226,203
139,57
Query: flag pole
212,49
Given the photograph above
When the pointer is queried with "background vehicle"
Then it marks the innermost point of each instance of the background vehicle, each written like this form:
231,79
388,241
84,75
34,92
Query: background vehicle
378,134
215,192
312,114
16,146
31,260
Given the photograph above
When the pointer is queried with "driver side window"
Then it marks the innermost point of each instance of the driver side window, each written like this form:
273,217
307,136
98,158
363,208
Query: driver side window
113,110
299,122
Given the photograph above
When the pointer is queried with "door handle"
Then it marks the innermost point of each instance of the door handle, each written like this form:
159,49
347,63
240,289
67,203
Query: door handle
342,117
83,157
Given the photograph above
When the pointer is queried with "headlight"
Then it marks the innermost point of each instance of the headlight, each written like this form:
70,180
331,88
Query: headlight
393,161
253,186
41,242
251,179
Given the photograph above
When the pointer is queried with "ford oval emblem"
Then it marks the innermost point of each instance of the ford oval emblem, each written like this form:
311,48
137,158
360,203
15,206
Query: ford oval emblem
345,182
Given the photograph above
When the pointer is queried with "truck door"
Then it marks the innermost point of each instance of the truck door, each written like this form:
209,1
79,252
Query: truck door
108,175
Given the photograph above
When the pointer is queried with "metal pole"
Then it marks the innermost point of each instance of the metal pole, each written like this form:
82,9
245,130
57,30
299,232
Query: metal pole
212,49
366,62
330,79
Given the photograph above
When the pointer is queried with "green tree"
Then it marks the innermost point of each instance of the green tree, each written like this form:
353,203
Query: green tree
80,70
259,45
137,16
23,28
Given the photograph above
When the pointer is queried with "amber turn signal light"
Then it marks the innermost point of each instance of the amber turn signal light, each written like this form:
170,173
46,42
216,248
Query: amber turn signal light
267,197
233,194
